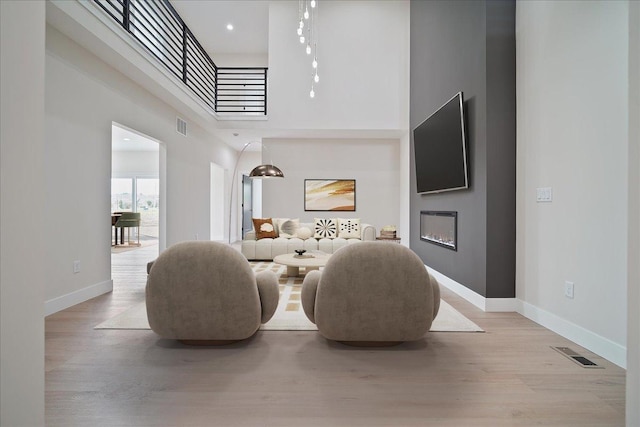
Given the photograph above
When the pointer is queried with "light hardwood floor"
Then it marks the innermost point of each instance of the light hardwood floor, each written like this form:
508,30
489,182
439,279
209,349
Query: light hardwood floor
508,376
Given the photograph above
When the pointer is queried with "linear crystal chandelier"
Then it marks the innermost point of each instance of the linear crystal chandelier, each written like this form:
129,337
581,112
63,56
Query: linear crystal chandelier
308,36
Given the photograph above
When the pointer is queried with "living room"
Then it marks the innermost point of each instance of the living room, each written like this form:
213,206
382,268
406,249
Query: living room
576,99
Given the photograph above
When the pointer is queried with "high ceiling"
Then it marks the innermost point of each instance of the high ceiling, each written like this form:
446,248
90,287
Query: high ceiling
208,21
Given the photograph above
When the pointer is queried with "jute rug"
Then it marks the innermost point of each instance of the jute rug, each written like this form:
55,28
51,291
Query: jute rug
289,315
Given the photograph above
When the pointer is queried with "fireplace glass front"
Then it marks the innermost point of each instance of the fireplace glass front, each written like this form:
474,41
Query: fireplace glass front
440,228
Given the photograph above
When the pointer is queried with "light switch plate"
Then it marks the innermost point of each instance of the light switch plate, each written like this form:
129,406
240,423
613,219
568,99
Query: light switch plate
544,194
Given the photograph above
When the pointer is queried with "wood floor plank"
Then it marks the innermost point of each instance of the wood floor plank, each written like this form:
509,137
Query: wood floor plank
508,376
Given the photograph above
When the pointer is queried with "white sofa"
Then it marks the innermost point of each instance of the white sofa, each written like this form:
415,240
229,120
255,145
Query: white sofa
267,249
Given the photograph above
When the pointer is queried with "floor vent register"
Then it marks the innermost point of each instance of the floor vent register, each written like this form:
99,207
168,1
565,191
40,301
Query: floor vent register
577,358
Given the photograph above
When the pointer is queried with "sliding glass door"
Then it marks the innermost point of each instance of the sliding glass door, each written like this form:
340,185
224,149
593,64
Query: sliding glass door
146,201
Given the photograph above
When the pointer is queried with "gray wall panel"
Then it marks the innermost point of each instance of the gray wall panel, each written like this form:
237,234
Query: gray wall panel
451,51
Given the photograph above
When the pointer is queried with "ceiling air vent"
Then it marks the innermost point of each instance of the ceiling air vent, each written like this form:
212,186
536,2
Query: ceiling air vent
181,126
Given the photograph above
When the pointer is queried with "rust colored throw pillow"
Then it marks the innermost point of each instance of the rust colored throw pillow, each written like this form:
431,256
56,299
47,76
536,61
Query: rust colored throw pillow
264,228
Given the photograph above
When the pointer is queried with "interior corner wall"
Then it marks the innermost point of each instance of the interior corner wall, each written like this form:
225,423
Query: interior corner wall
22,207
373,163
83,97
573,124
469,47
633,277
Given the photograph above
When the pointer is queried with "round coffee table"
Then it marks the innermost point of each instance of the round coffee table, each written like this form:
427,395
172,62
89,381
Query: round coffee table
310,261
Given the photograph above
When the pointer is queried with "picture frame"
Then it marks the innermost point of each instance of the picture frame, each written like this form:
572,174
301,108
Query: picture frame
337,195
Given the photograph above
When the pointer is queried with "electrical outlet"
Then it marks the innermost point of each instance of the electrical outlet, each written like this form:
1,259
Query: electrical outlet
568,290
76,266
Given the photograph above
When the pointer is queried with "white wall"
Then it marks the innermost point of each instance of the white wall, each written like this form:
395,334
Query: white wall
217,202
240,60
374,164
572,118
83,97
633,285
22,207
131,163
363,57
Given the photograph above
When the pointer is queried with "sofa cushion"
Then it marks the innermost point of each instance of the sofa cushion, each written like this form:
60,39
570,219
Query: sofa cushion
325,228
277,222
288,228
303,233
264,228
349,228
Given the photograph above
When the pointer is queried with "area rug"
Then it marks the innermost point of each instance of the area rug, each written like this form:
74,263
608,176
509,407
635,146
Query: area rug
289,315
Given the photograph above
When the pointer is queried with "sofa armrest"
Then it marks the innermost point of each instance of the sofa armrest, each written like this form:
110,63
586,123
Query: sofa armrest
251,235
309,290
367,232
267,283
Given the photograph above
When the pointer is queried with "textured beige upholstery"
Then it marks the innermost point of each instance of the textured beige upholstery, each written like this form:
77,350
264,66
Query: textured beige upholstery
207,291
375,292
268,249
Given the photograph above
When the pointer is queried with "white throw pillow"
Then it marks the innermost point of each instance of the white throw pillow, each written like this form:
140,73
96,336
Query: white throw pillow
289,228
349,228
303,233
277,222
325,228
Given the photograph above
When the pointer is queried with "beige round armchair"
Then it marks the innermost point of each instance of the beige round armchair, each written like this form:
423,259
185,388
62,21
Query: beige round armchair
207,293
374,293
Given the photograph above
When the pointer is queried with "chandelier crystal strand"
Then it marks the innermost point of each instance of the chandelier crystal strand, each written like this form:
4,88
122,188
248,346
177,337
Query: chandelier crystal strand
315,40
308,17
300,23
309,31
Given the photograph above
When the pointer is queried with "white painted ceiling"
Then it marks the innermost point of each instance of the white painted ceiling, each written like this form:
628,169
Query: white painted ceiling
208,21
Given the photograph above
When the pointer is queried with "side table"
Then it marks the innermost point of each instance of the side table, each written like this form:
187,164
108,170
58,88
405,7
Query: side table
389,239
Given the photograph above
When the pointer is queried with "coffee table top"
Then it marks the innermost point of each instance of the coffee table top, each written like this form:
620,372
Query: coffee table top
316,259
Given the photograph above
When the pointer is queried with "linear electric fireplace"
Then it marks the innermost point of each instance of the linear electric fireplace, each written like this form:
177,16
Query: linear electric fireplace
440,228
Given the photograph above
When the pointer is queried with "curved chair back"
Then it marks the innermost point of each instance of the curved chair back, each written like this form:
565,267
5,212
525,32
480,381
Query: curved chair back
202,291
128,219
375,291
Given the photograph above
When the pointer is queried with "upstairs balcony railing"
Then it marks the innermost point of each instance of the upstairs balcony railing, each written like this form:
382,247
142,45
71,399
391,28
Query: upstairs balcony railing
159,28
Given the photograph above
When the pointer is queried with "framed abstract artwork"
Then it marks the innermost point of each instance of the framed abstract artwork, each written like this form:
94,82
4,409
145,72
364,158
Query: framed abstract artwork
330,195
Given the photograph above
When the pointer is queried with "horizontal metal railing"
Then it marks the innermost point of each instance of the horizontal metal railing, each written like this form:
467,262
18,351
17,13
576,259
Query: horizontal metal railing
159,28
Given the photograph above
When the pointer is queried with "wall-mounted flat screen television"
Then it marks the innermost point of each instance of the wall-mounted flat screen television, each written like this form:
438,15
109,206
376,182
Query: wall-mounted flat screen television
440,150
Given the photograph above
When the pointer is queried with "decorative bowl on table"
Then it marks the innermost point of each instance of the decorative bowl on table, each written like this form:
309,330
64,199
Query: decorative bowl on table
301,253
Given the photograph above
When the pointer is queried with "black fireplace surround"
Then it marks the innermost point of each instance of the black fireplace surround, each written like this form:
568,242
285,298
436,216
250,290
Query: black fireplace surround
440,228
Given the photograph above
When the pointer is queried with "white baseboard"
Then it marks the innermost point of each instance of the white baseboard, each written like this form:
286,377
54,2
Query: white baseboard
601,346
76,297
485,304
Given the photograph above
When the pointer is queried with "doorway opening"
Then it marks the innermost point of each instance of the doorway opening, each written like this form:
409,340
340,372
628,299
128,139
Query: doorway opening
136,200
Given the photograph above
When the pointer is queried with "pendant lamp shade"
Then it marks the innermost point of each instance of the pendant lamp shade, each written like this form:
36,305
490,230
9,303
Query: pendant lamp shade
266,171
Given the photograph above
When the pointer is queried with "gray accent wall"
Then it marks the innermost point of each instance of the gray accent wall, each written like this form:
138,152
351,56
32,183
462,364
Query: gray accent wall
469,47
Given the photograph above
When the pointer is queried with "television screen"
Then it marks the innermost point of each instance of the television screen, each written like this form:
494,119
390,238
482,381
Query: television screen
440,149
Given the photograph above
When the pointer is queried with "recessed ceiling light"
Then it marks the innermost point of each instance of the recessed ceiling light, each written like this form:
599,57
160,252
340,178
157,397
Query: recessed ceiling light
229,27
127,139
